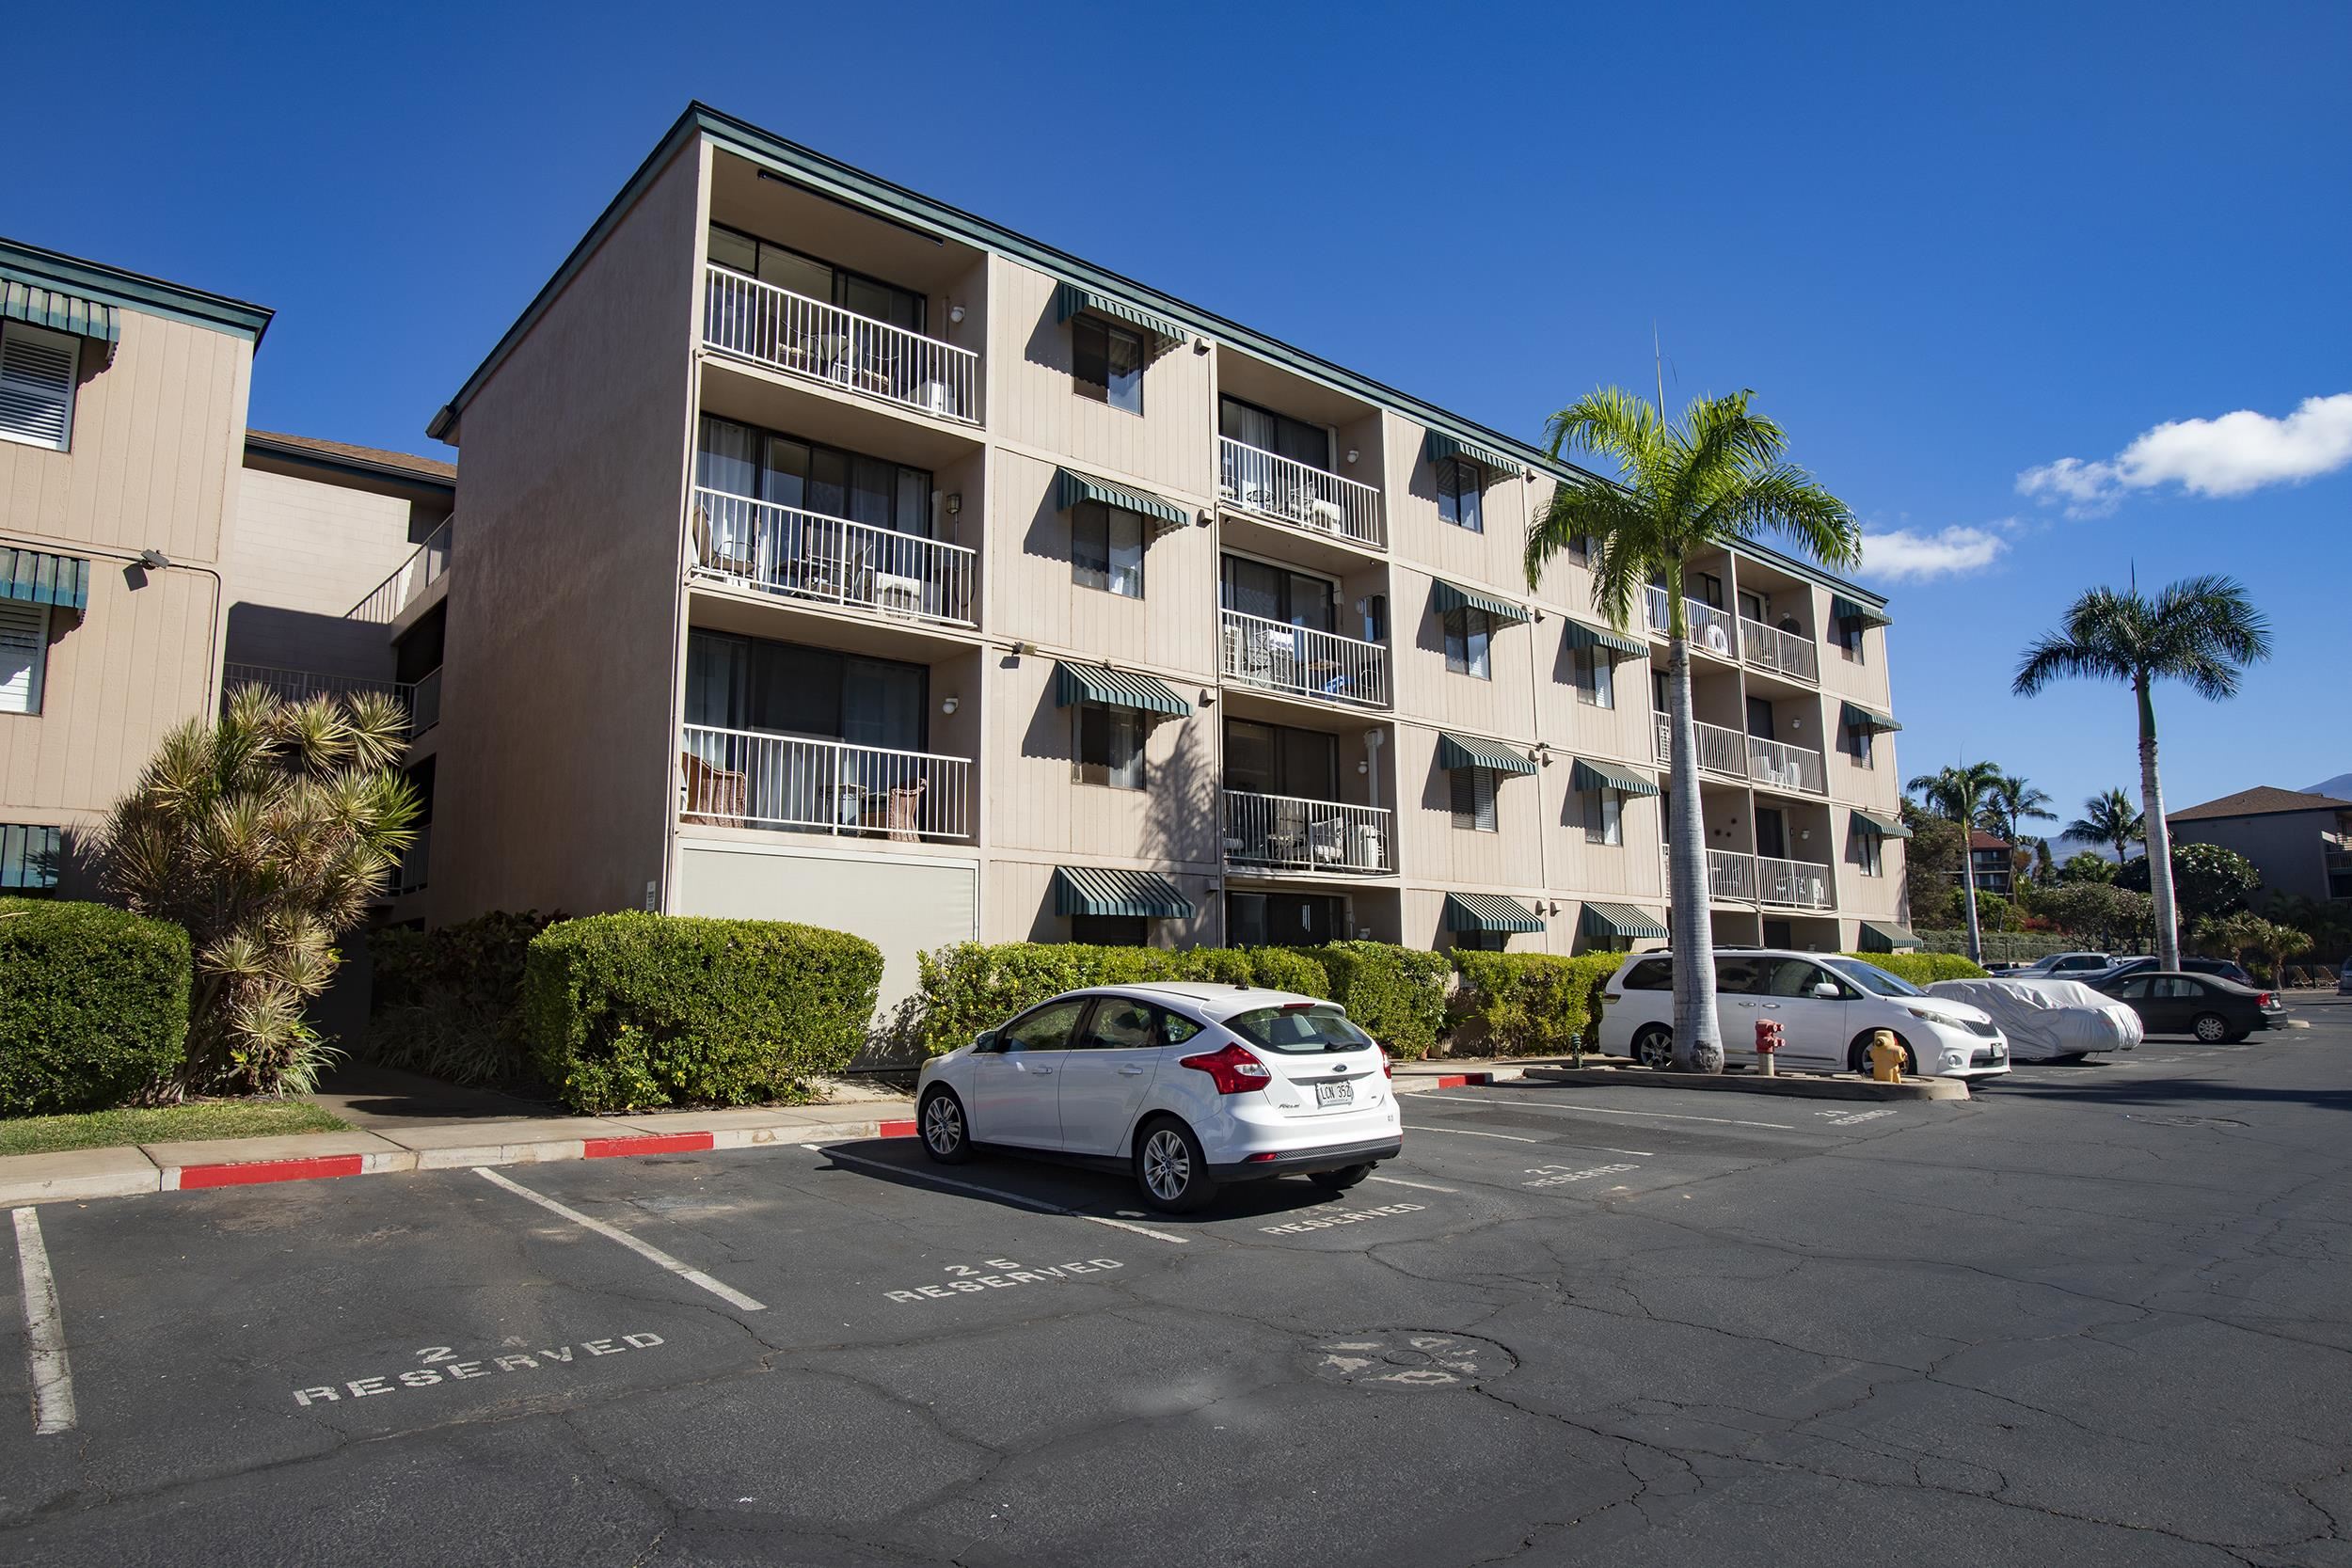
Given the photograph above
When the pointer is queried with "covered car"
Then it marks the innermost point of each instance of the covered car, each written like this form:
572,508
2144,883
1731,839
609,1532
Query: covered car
2048,1020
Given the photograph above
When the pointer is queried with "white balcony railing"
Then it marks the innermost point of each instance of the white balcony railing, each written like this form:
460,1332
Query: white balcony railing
807,555
1711,630
295,686
1290,492
1721,750
1770,648
424,567
753,779
1255,651
809,336
1730,878
1777,764
1795,884
1287,833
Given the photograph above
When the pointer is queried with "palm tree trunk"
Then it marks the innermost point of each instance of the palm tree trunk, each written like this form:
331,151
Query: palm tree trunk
2159,834
1698,1033
1968,886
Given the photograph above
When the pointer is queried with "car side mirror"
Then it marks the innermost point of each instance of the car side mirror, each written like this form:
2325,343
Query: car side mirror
1827,991
986,1040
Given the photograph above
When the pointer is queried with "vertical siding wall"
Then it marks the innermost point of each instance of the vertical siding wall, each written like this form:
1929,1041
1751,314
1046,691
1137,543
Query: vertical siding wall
306,551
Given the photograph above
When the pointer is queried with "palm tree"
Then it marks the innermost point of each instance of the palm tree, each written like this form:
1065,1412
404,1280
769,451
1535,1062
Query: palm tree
2202,630
1960,794
2012,802
2108,819
1712,481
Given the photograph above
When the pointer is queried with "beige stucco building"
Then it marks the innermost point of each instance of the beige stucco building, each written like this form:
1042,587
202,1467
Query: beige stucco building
830,554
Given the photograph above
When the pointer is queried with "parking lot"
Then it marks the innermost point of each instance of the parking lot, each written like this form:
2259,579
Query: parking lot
2100,1314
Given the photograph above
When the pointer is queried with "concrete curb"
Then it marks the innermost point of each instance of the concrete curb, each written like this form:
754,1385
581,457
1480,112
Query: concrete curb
1800,1086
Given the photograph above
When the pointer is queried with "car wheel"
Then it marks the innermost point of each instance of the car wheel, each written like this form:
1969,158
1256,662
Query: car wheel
2239,1035
1654,1046
1858,1058
1171,1169
1341,1180
946,1137
2212,1028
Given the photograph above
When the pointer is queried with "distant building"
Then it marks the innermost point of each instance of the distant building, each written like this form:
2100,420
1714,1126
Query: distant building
1995,862
2301,843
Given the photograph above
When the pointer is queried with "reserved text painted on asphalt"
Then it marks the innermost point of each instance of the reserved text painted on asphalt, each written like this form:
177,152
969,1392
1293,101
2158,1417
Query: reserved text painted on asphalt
439,1364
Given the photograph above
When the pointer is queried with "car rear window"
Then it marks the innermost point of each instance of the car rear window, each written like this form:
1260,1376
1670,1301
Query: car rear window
1650,974
1300,1027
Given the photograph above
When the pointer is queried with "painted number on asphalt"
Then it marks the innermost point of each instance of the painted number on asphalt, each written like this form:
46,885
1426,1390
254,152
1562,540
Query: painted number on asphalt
1851,1119
1561,1176
439,1364
1325,1220
999,1273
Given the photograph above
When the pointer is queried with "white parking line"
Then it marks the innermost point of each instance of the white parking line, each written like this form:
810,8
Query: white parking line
1607,1111
1514,1138
44,1331
647,1250
1033,1205
1399,1182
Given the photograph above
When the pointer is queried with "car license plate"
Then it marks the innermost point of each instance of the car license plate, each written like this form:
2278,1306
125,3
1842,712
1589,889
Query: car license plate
1335,1094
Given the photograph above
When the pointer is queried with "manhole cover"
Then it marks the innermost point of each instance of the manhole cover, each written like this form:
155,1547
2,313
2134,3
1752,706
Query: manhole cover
2183,1121
1409,1359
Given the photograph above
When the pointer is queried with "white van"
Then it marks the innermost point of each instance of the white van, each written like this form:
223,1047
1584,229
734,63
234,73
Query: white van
1827,1004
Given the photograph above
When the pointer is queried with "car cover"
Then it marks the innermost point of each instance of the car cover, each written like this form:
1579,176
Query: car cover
2048,1018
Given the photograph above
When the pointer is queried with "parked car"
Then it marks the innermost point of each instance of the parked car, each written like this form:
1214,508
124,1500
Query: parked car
2072,966
1828,1006
1188,1087
2344,977
2223,967
2047,1020
2171,1002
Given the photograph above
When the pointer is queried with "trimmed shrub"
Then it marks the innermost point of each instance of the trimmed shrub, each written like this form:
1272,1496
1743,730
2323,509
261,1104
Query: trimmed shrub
1923,969
1396,994
446,1003
93,1005
633,1010
1528,1003
2000,946
971,986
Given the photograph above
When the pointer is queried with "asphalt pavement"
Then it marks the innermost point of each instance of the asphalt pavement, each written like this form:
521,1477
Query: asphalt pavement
2098,1314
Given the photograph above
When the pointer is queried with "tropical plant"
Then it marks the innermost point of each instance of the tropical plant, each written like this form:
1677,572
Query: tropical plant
264,833
1931,863
2086,867
2108,819
2010,804
2208,881
2247,937
2203,631
2097,914
1714,481
1958,794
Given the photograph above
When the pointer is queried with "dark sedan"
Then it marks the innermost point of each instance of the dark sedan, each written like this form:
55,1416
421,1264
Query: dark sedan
2223,967
2205,1005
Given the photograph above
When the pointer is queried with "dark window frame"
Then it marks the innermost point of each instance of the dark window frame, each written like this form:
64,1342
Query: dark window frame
1476,800
841,275
1458,479
1090,721
1090,362
1091,520
1466,628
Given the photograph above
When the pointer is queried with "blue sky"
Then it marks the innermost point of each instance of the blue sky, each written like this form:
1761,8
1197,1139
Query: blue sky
1947,251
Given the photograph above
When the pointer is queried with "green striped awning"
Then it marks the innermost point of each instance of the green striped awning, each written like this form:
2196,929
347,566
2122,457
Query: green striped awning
1072,488
1071,299
29,856
1587,775
1844,609
1488,912
1871,822
1581,636
1605,921
1442,446
1457,752
1446,598
1856,716
1882,935
25,299
1092,890
32,577
1100,683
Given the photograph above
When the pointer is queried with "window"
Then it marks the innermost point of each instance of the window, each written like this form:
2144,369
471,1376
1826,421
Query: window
1276,594
814,280
1858,744
1650,974
1482,942
1595,674
38,371
1108,746
746,682
1461,492
2131,991
1299,1029
785,472
24,655
1869,852
1277,759
1046,1028
1850,635
1106,549
1279,433
1604,816
1474,799
1468,632
1120,1023
1110,930
1106,363
1709,588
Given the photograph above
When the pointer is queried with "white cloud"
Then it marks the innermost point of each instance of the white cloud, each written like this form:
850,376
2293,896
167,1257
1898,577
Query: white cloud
2228,456
1902,556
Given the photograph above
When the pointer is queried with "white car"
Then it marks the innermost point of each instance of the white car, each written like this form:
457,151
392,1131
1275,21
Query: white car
1187,1086
2047,1020
1828,1006
2062,966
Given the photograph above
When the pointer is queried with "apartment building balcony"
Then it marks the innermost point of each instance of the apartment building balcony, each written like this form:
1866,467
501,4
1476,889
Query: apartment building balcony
1730,878
758,779
824,343
1773,764
1299,495
2337,864
1783,653
1288,832
296,686
1722,750
1775,883
1711,630
816,559
406,586
1300,661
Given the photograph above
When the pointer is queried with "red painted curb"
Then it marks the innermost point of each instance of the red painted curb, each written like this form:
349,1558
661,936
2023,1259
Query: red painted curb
258,1171
1465,1079
894,1130
646,1143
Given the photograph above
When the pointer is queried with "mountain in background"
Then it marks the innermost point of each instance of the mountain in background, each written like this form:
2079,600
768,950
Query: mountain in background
2339,787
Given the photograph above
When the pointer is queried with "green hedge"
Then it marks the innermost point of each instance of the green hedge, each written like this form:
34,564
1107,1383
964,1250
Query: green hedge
1528,1003
1396,994
2000,946
971,986
1922,968
447,1003
629,1011
93,1005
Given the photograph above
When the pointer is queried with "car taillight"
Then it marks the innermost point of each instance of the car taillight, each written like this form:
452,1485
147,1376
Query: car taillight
1388,1068
1235,1071
2263,1001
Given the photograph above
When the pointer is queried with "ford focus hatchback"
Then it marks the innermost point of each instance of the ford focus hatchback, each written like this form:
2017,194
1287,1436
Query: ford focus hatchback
1188,1087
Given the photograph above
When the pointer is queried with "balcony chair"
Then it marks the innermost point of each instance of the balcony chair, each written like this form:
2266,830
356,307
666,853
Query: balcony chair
897,811
714,796
729,556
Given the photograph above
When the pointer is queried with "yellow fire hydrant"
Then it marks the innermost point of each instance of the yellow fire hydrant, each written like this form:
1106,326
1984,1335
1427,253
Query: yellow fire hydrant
1886,1058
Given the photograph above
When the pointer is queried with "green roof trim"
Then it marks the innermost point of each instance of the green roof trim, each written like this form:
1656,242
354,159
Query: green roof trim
1855,717
1446,598
1457,752
1888,827
1489,913
1071,299
25,300
1884,936
1579,635
29,856
1100,683
1442,446
94,283
1093,890
29,577
1072,488
1606,920
1588,775
1843,609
